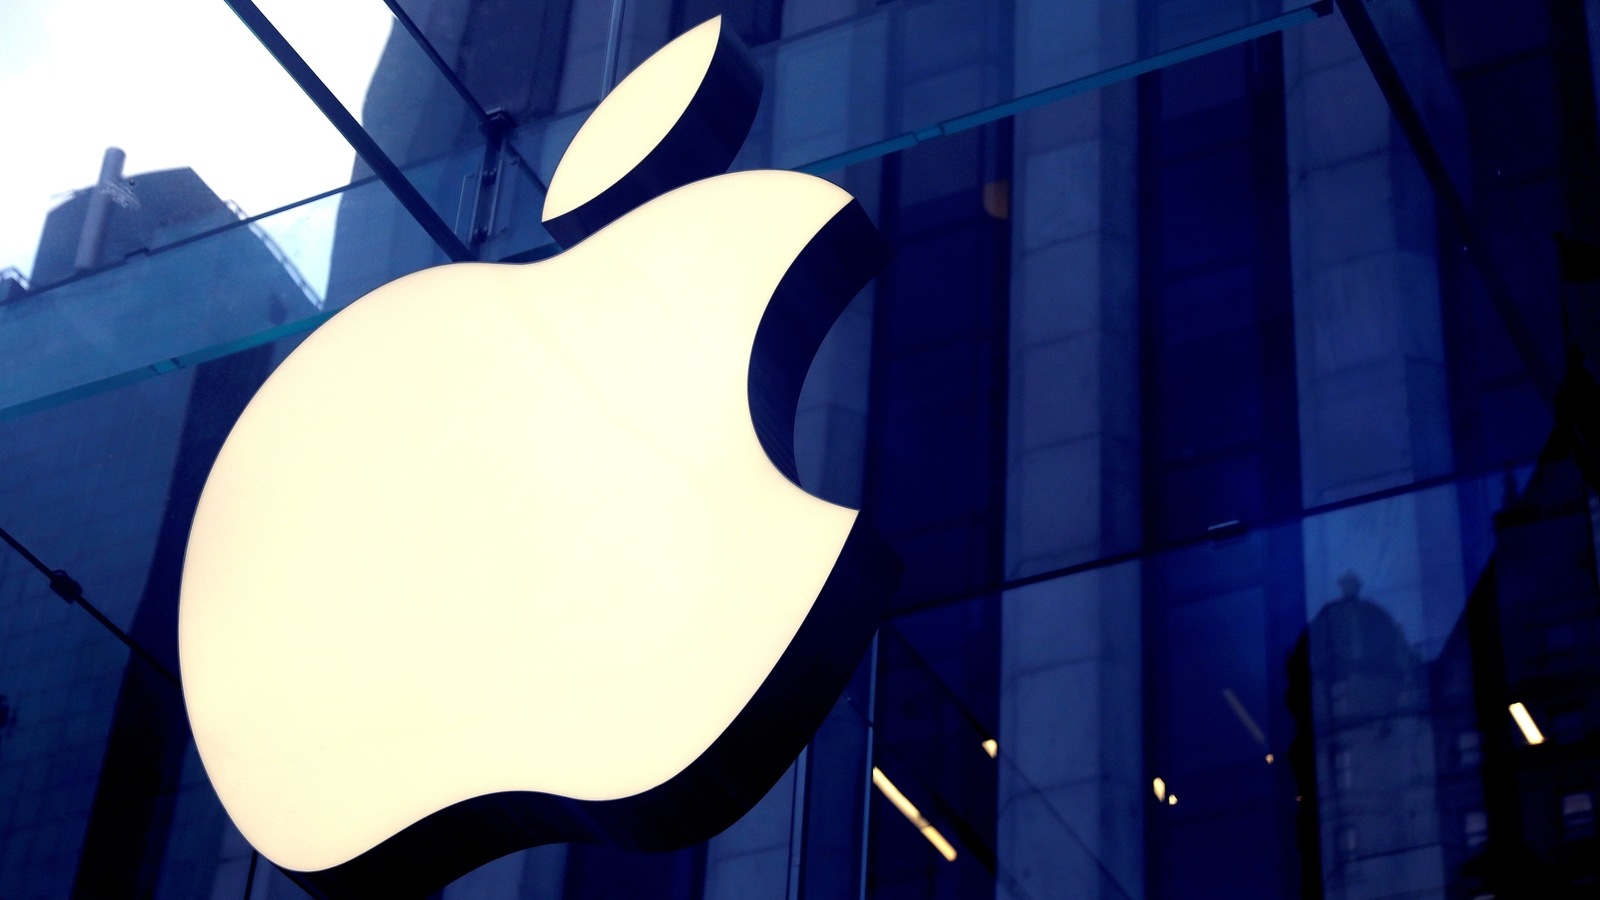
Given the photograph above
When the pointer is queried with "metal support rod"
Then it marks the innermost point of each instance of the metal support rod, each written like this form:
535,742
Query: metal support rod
366,148
428,50
486,198
250,876
63,586
491,122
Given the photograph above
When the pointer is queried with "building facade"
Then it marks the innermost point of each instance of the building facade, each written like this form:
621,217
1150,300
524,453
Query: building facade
1227,397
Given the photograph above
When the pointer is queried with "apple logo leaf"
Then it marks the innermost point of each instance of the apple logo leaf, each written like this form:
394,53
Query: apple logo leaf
505,555
681,116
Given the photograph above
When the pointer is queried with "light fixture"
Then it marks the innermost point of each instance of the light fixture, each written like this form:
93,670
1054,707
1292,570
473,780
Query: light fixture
882,783
1524,719
991,747
1160,788
1172,799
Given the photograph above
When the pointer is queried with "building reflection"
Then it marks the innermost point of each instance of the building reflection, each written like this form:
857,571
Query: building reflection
1413,775
1372,784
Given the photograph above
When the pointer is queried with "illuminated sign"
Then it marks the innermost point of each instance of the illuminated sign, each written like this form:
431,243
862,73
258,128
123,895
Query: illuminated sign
511,554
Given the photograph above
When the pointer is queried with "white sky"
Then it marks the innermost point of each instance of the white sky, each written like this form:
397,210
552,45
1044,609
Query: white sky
177,83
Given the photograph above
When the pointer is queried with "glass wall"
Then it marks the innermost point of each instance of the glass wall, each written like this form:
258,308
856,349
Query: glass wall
1227,397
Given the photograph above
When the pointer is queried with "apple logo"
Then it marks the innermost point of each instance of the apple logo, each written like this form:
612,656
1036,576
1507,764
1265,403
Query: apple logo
504,555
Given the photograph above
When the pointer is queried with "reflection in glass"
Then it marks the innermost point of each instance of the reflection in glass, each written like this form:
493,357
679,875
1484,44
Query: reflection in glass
1132,337
907,809
1525,724
93,74
179,282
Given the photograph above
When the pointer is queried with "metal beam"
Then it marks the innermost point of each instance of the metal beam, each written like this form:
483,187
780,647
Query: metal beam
365,146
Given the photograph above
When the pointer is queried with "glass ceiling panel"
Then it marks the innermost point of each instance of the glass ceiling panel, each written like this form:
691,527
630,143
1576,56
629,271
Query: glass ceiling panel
174,83
241,285
383,77
862,87
606,41
1222,723
239,147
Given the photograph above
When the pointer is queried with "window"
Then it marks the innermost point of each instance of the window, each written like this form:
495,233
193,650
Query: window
1577,815
1339,695
1348,842
1474,828
1343,767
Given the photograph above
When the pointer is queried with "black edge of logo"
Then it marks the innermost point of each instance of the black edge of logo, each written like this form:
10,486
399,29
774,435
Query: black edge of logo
837,263
702,143
705,798
743,763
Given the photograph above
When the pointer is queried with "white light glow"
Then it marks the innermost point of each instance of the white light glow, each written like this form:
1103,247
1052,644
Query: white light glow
500,527
991,747
1159,786
1524,719
633,119
1172,799
1245,719
907,809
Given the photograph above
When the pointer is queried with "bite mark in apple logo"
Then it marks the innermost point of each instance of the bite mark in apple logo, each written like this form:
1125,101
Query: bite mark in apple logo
504,555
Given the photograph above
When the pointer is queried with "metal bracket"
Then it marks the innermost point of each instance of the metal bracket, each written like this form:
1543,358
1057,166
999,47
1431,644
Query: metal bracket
496,125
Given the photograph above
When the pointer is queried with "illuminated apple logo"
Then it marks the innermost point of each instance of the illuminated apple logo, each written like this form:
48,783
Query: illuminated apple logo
512,554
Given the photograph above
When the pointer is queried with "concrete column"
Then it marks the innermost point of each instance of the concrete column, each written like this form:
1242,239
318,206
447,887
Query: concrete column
1373,414
827,94
1369,347
1069,822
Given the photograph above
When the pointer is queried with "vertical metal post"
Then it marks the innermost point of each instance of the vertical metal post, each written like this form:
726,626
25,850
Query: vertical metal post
486,200
608,74
866,788
797,824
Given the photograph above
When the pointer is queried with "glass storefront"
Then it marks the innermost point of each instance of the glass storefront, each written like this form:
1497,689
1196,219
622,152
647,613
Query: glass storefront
1227,397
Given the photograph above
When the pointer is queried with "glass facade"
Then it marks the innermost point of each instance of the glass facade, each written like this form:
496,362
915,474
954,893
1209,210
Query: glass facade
1227,397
